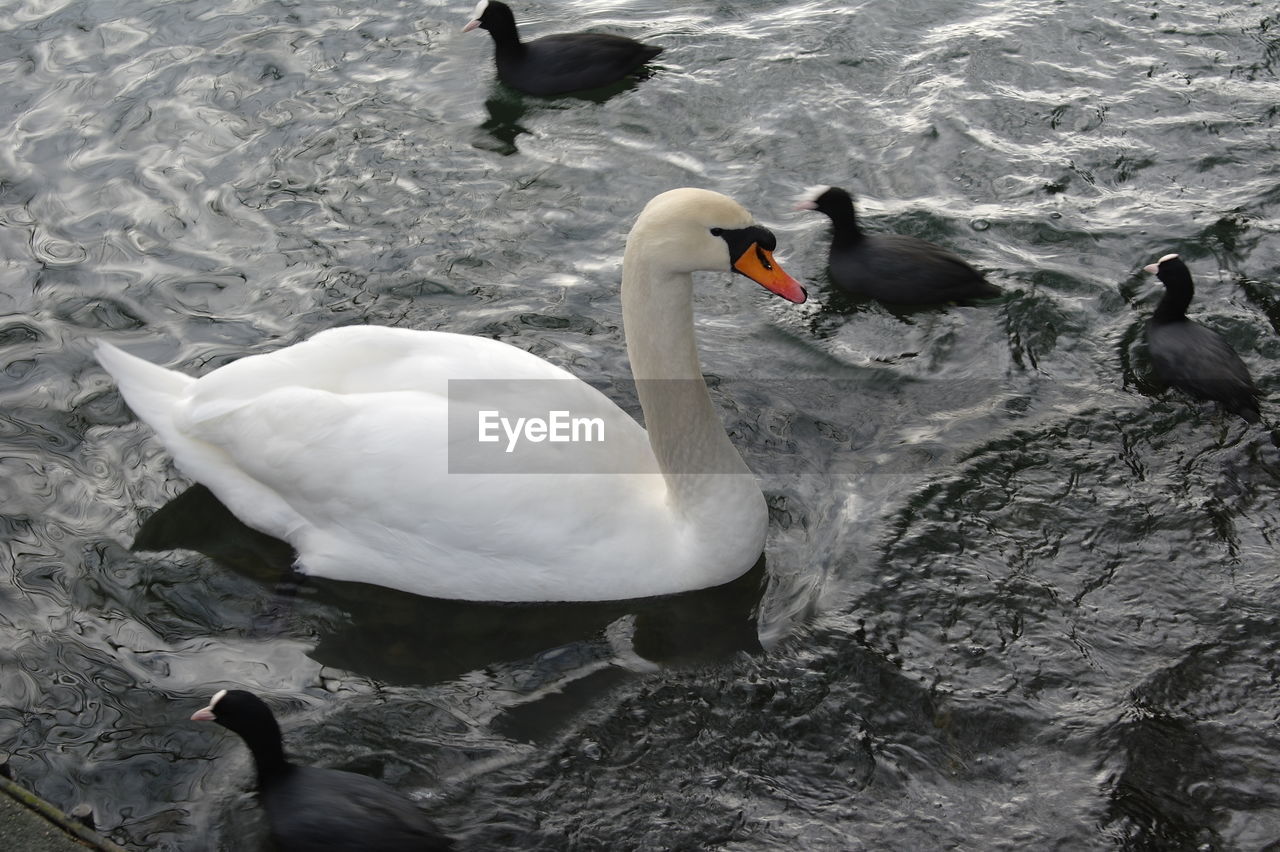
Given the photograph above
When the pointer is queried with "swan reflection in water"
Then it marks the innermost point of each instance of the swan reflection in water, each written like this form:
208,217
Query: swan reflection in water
402,638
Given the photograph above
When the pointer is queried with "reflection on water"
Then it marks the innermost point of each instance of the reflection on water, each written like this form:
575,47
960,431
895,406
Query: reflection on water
505,109
1017,596
395,637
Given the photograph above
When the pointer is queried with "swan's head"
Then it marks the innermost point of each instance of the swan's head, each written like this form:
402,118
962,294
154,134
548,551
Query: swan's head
687,230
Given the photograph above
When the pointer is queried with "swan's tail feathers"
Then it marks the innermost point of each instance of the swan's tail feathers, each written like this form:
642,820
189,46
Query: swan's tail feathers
151,391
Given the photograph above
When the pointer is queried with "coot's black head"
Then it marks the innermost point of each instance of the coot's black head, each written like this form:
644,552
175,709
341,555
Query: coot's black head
247,715
830,200
1176,278
238,711
1171,271
492,15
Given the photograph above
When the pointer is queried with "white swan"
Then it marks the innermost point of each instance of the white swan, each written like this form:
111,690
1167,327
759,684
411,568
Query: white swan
341,445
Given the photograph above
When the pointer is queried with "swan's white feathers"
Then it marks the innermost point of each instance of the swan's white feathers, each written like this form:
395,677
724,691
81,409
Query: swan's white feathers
318,478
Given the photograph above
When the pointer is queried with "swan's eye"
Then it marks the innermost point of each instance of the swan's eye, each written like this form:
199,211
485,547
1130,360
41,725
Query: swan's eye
743,240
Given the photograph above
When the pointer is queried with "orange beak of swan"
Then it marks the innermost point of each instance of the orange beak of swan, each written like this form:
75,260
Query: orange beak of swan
758,264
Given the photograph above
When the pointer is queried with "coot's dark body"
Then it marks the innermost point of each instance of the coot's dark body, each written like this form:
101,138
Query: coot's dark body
557,64
328,809
320,810
1188,356
893,268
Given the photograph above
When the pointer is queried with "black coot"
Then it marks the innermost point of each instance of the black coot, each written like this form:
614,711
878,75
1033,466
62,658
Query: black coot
320,809
557,64
894,268
1189,356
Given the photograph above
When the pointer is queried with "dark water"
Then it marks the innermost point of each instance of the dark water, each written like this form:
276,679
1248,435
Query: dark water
1015,596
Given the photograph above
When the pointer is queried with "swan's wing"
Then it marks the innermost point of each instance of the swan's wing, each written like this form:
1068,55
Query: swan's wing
404,394
365,455
368,478
368,359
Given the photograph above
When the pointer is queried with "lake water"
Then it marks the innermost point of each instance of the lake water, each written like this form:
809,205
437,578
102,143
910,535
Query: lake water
1016,596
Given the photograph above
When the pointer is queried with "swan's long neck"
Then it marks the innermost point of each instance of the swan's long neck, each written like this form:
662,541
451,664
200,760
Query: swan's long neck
684,427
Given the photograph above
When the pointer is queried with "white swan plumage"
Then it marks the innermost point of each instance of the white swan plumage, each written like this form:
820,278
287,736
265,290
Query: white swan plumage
342,444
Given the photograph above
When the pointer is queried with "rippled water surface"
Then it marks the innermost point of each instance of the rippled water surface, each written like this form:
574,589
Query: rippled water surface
1016,595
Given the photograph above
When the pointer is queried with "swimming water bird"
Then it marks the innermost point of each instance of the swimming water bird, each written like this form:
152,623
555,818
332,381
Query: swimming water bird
310,809
1188,356
557,64
362,447
894,268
